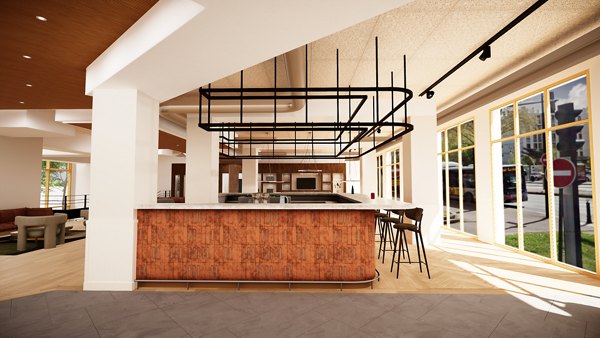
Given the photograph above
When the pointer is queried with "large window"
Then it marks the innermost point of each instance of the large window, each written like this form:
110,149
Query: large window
543,143
55,183
389,174
456,152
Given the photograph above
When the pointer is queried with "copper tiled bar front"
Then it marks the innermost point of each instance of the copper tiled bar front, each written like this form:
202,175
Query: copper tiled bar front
272,245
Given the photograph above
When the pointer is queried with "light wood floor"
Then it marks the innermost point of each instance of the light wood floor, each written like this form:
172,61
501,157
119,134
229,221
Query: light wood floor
459,264
42,270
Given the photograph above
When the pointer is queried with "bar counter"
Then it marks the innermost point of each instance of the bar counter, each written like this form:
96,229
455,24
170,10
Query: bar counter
259,241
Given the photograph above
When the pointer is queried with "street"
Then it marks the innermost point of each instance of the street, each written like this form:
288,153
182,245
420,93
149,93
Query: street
534,216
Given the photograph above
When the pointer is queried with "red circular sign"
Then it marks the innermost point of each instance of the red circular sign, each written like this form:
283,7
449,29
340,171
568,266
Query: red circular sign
564,172
543,159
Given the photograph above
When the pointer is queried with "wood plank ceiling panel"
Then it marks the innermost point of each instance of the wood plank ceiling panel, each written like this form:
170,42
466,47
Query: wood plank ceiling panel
74,35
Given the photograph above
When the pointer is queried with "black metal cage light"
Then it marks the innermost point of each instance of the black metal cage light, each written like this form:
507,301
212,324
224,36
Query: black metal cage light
348,139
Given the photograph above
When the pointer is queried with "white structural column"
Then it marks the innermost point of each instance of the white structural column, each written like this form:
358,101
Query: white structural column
249,176
422,186
81,182
201,164
486,182
20,171
122,175
368,173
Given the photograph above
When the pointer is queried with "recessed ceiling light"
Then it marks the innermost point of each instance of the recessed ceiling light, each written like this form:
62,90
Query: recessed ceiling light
21,102
29,85
26,57
41,18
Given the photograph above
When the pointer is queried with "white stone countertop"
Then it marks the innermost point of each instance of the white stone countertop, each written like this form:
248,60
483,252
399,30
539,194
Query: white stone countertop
365,203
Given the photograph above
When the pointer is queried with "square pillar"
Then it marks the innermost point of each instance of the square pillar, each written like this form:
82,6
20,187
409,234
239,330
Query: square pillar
124,161
201,164
234,178
250,173
368,173
421,170
20,178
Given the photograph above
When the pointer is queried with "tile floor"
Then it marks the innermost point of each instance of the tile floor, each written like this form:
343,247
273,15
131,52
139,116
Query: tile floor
292,314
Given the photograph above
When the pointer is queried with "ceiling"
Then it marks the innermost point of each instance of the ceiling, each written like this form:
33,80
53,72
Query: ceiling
75,33
434,34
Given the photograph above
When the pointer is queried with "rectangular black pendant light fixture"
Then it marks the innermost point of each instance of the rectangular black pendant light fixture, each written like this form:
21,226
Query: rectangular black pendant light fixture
348,139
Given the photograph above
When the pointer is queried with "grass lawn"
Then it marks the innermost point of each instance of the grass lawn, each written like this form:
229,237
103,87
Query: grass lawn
539,243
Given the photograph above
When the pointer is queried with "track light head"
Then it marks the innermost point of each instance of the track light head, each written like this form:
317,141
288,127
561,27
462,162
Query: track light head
486,53
429,94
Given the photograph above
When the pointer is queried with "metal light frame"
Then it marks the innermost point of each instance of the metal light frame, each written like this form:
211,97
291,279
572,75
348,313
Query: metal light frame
345,134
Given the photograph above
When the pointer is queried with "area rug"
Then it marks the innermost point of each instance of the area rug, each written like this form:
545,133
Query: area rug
9,246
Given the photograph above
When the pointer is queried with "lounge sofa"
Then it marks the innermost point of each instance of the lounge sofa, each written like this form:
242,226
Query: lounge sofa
7,216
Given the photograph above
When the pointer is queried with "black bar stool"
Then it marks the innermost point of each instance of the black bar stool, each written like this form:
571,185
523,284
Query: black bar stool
379,225
416,215
387,234
394,222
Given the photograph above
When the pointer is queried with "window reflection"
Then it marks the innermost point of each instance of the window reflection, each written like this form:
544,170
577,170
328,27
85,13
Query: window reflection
536,224
569,100
509,190
566,228
452,138
531,117
454,190
467,134
573,191
507,123
469,216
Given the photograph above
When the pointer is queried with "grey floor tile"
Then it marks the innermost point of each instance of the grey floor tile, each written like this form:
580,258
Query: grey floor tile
392,325
107,312
354,311
500,304
5,310
80,327
70,305
26,305
220,334
282,314
518,324
571,326
162,299
277,324
197,298
259,303
417,306
203,318
26,324
475,320
153,323
224,295
592,329
386,300
335,328
581,307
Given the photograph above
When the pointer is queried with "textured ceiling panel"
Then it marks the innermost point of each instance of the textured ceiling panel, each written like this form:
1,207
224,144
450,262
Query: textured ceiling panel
351,42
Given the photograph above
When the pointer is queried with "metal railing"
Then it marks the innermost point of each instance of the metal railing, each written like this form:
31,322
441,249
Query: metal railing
163,194
66,201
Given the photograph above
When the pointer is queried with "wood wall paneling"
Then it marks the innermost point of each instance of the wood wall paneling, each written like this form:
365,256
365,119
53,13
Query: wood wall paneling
255,245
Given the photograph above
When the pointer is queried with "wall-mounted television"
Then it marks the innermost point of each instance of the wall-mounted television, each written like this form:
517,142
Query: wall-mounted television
306,183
